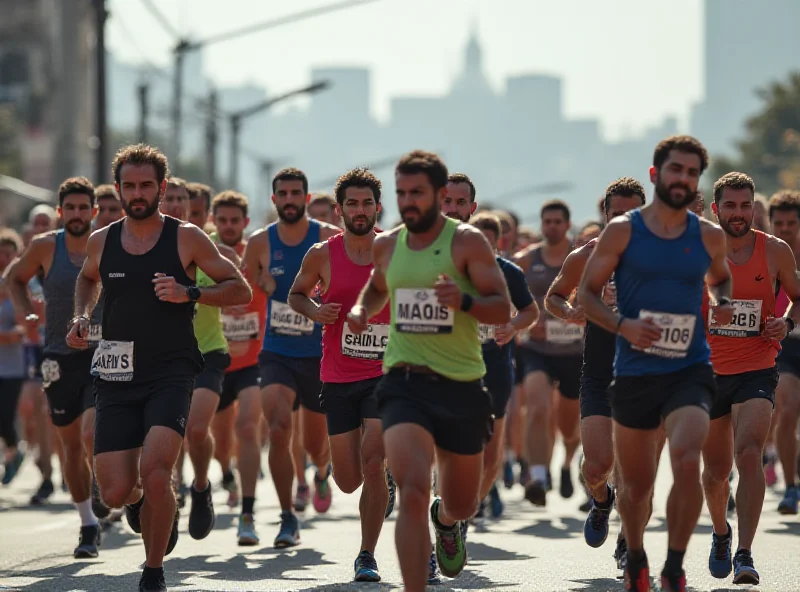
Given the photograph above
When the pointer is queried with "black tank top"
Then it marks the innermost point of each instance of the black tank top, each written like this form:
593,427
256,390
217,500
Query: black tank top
599,348
161,333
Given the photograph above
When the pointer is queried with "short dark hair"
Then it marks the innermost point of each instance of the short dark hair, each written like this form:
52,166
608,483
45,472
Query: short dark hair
106,191
325,198
177,182
232,199
552,205
10,237
358,177
427,163
141,154
200,190
681,143
290,174
487,221
462,178
625,187
73,185
733,180
785,200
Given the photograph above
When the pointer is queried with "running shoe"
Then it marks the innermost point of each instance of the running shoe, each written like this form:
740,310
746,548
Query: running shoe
621,552
301,498
637,577
133,514
323,495
98,507
45,490
289,533
566,487
247,531
434,575
789,502
595,529
366,568
495,503
173,535
719,558
673,583
88,542
229,484
536,493
508,474
12,467
451,553
392,493
152,584
743,570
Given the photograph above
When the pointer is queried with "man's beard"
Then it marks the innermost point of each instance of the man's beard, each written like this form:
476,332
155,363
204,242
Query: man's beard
151,208
664,194
293,218
369,225
425,220
454,215
77,228
727,227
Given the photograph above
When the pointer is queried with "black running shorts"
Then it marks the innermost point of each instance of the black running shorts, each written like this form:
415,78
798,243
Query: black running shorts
566,370
299,374
235,382
734,389
348,404
68,385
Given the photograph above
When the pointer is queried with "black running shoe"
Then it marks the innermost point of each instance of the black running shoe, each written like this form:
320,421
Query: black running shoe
98,507
392,494
42,494
201,516
536,493
566,488
152,584
133,513
173,536
88,543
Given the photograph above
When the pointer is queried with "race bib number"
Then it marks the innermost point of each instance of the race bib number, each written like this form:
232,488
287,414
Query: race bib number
51,372
95,333
562,333
676,334
369,345
241,328
486,333
284,321
418,311
113,361
746,321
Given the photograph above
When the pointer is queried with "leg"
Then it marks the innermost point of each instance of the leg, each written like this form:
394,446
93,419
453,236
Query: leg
598,455
346,455
539,436
248,424
717,463
375,493
117,476
77,472
298,449
787,413
492,457
87,432
277,401
315,439
223,434
459,484
198,434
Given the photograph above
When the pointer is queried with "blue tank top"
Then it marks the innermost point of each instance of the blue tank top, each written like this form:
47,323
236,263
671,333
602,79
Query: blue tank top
288,333
663,279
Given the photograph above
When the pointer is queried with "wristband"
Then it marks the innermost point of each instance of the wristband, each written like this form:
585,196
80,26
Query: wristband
724,301
619,322
789,322
466,302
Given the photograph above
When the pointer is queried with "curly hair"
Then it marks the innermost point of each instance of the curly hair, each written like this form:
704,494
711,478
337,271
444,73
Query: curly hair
358,177
290,174
681,143
139,155
426,163
76,185
624,186
785,200
733,180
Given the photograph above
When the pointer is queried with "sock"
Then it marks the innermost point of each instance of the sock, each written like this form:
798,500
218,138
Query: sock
539,473
247,504
635,557
723,537
85,510
609,500
674,564
152,573
227,476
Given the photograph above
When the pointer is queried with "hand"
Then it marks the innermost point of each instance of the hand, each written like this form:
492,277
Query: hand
447,292
610,294
357,319
641,333
576,316
722,314
169,290
267,283
776,328
78,333
504,333
327,313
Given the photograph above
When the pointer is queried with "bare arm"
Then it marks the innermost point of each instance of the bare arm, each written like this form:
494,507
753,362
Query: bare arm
230,288
718,276
493,304
375,294
307,279
22,270
255,262
557,300
88,285
789,280
599,269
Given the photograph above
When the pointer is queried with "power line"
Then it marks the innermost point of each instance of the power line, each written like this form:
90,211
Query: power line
159,16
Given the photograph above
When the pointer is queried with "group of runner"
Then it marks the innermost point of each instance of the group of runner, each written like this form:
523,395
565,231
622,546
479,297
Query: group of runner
433,356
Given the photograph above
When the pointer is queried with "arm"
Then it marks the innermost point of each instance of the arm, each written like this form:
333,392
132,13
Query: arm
557,300
375,293
493,304
229,254
255,262
304,284
786,266
22,270
718,277
88,286
13,336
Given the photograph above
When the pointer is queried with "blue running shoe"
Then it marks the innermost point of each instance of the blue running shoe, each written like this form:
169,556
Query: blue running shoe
595,529
495,503
719,559
789,502
289,534
743,570
366,568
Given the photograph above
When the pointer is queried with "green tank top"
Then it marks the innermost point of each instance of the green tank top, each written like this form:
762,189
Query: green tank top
208,322
422,332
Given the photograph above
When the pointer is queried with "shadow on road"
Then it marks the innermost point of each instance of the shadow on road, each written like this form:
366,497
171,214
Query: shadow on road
545,528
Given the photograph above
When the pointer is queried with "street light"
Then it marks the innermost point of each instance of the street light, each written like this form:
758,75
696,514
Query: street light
237,117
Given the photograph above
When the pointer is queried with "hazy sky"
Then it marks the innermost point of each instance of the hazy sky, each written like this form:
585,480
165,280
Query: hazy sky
627,62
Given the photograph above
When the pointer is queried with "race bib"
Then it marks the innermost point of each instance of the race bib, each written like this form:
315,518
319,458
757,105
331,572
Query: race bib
51,372
677,331
95,333
486,333
284,321
746,321
562,333
241,328
369,345
418,311
113,361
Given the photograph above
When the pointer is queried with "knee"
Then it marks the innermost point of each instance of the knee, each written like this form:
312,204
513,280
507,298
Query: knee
716,473
539,410
280,432
347,480
686,465
597,466
157,483
114,495
373,468
247,430
749,458
415,497
73,449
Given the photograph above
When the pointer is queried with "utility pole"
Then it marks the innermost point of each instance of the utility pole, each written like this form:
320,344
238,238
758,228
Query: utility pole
212,137
144,111
101,108
236,126
177,98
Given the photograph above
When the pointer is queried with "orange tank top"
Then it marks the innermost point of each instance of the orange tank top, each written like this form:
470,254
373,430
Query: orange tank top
740,346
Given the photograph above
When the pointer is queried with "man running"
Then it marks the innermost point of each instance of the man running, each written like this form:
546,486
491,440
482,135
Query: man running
659,257
743,356
244,329
59,255
292,347
199,204
496,341
351,364
441,279
109,208
322,208
552,354
784,216
147,360
621,196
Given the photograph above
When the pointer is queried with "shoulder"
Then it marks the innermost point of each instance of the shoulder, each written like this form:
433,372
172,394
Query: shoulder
712,233
470,236
386,241
776,245
523,257
327,230
582,253
42,245
98,237
318,251
228,252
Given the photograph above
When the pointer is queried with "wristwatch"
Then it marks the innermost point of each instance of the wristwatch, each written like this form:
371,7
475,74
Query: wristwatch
193,292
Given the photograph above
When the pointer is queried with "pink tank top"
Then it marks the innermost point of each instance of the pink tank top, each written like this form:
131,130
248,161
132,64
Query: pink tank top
347,357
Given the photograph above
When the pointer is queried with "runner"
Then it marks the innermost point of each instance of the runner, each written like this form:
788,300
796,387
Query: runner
322,208
743,356
351,365
109,208
67,383
553,353
200,204
784,216
148,358
661,369
243,327
621,196
441,279
292,349
496,342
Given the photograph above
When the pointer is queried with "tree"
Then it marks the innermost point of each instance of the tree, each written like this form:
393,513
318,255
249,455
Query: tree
770,152
10,157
